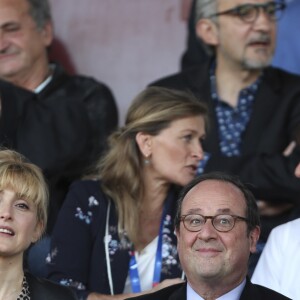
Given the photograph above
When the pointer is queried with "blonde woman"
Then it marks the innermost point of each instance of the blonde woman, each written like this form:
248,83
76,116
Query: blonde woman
115,235
23,217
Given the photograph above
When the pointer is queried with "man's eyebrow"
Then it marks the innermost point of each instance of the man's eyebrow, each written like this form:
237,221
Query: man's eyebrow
9,23
194,211
199,210
224,210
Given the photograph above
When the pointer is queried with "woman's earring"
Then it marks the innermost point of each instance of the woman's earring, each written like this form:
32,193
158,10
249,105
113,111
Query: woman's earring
146,160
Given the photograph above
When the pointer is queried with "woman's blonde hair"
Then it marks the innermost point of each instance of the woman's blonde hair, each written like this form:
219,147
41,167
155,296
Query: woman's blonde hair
121,168
26,180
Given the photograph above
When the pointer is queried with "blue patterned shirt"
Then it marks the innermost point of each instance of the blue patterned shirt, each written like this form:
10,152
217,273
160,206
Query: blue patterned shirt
232,121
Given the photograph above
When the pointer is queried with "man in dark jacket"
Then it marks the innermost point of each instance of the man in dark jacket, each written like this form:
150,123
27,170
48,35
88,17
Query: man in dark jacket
287,54
60,122
217,227
254,129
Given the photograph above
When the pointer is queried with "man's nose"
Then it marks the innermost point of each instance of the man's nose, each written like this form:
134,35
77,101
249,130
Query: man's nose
3,41
208,231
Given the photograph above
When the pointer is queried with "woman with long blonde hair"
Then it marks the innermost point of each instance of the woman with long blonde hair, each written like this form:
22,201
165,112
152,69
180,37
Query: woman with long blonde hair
115,234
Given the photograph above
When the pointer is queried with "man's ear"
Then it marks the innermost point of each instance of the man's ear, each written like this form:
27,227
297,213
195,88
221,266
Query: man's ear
144,142
207,31
176,231
254,236
47,34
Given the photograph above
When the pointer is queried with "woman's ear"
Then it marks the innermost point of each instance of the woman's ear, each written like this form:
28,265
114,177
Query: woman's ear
207,30
38,231
144,142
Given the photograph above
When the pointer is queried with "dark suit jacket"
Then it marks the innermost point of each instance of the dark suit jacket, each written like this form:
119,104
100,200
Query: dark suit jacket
42,289
275,121
178,292
62,129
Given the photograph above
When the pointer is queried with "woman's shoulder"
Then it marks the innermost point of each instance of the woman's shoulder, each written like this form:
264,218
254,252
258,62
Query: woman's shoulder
86,185
46,289
87,188
87,196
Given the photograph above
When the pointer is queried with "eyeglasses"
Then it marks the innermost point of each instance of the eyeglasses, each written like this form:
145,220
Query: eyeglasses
249,12
222,223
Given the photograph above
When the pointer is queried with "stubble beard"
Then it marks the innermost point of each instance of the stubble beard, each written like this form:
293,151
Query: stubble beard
256,64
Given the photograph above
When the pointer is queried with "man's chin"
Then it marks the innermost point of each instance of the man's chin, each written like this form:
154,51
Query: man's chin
8,74
256,65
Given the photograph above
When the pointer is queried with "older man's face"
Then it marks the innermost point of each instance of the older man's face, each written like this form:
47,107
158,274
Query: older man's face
242,44
22,44
210,255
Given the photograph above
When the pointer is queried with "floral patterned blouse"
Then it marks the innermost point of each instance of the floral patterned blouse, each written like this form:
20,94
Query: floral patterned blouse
77,256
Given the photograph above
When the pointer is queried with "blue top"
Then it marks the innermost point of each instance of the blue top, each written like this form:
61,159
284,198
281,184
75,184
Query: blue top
287,52
77,257
232,121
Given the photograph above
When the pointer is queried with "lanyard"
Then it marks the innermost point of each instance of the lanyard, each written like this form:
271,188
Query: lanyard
133,267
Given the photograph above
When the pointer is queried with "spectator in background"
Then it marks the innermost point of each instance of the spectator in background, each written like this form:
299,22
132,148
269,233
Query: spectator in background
217,227
254,108
23,218
62,121
115,236
287,54
279,265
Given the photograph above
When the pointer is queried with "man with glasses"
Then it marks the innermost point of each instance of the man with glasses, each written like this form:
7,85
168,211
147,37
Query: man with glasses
254,129
217,227
287,54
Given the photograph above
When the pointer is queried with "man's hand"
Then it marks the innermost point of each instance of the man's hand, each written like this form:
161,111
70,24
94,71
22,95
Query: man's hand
166,283
287,151
297,171
268,209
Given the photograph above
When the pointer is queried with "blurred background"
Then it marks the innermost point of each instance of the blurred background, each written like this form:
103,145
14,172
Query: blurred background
125,43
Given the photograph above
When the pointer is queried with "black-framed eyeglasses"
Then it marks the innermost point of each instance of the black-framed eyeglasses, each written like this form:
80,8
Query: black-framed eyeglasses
248,13
222,223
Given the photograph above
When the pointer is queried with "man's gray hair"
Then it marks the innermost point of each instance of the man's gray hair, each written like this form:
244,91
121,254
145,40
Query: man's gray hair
205,8
40,12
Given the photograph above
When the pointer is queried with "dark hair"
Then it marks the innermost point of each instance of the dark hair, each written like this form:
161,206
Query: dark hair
40,12
252,213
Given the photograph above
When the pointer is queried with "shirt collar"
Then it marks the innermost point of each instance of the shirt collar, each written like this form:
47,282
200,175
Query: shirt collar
40,87
234,294
252,88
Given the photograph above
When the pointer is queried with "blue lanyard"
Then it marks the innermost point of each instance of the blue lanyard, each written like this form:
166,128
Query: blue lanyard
133,267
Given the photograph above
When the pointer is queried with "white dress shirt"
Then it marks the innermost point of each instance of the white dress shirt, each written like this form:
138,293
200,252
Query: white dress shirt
234,294
279,265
